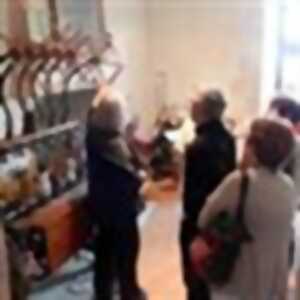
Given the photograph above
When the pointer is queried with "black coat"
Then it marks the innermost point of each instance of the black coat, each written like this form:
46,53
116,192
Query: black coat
113,187
209,158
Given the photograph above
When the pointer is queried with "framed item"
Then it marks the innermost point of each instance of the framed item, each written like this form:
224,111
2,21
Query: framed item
288,62
86,16
38,19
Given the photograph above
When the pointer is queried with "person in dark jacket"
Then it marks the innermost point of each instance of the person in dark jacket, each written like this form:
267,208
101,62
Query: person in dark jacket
113,198
209,158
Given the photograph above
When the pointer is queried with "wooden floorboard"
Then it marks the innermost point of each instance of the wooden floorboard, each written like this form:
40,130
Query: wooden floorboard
160,261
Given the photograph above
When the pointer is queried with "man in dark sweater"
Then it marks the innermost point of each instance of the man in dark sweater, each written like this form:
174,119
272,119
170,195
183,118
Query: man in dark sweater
209,158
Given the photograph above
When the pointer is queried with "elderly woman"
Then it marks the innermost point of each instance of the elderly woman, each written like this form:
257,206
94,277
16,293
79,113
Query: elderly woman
262,270
113,197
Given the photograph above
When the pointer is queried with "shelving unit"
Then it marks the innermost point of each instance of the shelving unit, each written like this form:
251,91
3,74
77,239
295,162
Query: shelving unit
39,136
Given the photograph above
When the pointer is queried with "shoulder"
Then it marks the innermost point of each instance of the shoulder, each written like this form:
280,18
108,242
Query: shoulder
234,178
289,189
279,183
286,181
228,190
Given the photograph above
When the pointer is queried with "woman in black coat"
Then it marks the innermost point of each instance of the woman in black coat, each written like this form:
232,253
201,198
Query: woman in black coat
113,201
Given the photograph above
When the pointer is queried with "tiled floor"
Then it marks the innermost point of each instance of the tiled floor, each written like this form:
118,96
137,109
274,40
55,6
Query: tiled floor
159,262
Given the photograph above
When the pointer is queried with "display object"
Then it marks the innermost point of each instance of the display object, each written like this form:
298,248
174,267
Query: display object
56,231
42,161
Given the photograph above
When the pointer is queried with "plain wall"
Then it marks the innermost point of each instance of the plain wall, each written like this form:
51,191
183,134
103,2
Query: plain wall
171,46
199,42
127,20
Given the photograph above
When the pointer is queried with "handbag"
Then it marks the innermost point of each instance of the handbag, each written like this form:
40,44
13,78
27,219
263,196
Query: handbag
215,251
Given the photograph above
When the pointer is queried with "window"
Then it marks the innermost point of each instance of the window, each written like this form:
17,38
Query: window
289,48
38,19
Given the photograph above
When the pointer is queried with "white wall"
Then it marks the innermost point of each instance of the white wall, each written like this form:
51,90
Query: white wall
209,41
170,46
126,19
270,54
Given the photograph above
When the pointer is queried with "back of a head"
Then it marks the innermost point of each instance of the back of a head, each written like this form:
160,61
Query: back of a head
273,143
214,103
210,105
110,114
286,107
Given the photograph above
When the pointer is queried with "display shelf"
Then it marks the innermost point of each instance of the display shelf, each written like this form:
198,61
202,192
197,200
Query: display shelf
39,136
74,195
15,211
57,230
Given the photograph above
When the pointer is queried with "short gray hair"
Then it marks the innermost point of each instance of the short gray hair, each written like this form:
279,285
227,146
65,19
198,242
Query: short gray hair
111,113
214,103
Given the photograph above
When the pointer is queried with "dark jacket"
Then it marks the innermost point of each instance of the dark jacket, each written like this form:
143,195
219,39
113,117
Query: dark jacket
209,158
113,184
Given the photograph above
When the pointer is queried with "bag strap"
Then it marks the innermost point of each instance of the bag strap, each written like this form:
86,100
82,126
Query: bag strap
243,198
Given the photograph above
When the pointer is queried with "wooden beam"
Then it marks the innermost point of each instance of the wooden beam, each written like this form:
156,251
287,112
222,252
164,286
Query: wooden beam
17,22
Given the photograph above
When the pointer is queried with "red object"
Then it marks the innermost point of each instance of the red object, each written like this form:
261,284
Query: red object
201,251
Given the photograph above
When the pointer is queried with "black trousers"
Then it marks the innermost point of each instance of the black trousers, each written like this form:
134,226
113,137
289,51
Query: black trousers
196,289
117,249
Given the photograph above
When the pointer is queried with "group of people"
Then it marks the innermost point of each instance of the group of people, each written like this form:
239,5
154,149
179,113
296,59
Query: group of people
211,184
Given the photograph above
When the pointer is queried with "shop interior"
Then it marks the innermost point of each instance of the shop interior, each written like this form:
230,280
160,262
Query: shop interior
54,56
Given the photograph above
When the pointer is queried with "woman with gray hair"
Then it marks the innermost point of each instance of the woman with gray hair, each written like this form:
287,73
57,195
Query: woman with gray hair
113,200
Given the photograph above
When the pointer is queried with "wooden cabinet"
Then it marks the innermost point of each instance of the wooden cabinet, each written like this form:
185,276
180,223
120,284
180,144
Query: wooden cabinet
57,231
